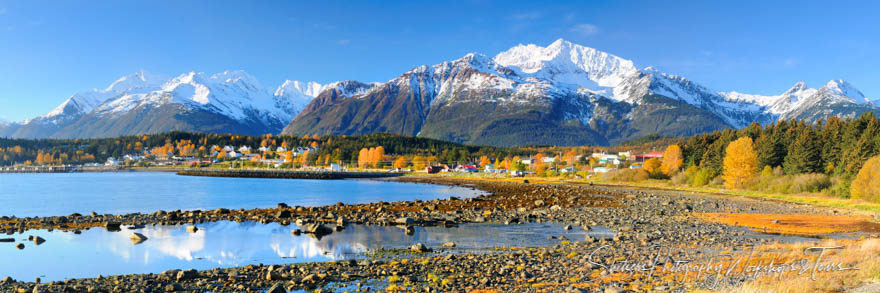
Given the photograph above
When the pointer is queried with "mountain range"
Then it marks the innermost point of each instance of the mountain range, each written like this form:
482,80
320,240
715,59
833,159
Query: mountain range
561,94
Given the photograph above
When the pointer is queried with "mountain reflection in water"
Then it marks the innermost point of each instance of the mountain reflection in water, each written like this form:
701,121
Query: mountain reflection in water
230,244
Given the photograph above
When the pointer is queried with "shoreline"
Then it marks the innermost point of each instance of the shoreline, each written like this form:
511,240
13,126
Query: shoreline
639,218
284,174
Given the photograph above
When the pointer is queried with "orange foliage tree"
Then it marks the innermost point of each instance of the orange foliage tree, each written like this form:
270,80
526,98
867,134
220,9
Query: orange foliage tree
740,162
400,162
672,160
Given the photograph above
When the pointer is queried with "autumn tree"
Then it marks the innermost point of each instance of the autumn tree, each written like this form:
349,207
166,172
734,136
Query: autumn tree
571,157
419,162
652,166
363,157
484,160
865,185
740,162
400,162
377,156
505,164
672,160
538,164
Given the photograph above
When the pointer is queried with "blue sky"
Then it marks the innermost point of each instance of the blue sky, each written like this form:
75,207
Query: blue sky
51,49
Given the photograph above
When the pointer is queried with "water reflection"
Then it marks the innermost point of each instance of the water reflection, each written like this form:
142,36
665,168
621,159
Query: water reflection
229,244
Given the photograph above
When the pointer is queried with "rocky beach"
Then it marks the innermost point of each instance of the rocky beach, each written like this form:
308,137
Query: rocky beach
642,221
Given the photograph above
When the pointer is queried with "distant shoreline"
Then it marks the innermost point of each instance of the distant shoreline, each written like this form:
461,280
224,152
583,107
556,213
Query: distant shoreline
284,174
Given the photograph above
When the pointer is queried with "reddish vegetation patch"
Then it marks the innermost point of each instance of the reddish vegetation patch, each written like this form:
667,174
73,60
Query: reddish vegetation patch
794,224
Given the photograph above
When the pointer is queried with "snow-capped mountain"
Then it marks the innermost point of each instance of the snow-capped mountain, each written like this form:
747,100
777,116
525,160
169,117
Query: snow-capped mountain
563,93
230,101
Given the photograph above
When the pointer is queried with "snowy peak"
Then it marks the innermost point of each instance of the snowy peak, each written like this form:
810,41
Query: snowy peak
800,86
138,80
840,88
84,102
568,63
311,88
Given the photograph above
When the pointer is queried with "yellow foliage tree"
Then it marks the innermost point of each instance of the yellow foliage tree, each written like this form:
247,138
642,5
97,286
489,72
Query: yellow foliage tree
419,162
400,162
740,162
865,185
484,160
571,157
539,165
652,165
505,164
672,160
377,156
363,157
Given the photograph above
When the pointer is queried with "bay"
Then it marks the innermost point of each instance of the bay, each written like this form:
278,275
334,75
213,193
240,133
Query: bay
58,194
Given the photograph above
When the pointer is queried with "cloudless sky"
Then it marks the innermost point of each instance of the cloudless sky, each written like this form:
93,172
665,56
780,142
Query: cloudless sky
52,49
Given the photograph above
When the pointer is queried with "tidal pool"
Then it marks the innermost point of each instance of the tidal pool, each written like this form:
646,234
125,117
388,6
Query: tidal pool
230,244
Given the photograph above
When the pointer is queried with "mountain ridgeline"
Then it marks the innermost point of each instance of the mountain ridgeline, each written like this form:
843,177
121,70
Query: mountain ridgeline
561,94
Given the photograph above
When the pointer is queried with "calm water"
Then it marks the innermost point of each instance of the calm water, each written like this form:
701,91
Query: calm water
229,244
127,192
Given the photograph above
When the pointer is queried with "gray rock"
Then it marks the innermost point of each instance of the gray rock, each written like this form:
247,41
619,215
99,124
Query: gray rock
277,288
192,229
404,221
187,275
38,240
112,226
317,229
272,276
137,238
419,247
173,287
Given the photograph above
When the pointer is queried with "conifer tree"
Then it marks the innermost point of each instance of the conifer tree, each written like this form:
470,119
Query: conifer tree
803,155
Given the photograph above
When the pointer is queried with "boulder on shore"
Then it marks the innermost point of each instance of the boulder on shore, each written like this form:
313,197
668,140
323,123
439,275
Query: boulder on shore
317,229
137,238
419,247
